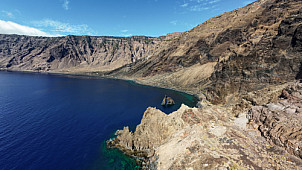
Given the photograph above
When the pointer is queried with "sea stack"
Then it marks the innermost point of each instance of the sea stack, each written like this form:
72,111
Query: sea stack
167,101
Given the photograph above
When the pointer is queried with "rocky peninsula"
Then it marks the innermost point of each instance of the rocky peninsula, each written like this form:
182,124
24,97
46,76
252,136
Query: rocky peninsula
267,136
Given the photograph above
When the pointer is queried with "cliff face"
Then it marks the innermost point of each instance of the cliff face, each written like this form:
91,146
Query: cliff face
236,52
274,58
73,53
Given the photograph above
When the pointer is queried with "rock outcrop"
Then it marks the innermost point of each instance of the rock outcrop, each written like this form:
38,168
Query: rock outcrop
281,123
145,138
211,138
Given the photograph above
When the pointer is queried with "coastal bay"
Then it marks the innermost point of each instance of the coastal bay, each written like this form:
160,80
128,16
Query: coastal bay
61,122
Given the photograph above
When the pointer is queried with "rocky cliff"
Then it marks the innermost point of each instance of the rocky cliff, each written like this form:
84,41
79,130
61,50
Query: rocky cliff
233,53
265,137
74,53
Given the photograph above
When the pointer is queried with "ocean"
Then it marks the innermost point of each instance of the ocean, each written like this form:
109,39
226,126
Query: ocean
61,122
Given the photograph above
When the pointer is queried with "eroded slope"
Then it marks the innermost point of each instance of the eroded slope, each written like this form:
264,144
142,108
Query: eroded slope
236,52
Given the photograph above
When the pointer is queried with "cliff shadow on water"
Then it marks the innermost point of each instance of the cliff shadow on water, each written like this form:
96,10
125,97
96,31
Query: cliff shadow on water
189,99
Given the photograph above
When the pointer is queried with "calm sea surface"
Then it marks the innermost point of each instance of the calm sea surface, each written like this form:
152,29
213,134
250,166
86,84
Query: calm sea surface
58,122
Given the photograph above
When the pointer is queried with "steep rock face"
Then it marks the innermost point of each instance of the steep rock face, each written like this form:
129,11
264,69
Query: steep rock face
81,53
274,59
241,51
155,128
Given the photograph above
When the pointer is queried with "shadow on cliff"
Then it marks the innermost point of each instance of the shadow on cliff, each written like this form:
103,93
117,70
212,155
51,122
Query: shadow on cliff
299,75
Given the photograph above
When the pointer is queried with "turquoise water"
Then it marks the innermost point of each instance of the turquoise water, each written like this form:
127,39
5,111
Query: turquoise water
59,122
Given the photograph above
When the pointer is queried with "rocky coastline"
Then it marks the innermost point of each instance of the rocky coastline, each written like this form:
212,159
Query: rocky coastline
212,137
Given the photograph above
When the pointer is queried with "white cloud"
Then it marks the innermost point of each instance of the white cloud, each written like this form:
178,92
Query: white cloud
64,28
199,8
124,30
125,35
7,13
173,22
184,5
214,1
65,5
8,27
201,5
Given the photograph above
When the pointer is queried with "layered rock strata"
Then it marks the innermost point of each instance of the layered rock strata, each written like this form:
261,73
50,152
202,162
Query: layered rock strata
281,123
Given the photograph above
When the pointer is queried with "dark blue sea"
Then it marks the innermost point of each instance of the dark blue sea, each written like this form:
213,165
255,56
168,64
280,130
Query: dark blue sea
60,123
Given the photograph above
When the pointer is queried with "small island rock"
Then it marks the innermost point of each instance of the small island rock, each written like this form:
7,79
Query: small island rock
167,101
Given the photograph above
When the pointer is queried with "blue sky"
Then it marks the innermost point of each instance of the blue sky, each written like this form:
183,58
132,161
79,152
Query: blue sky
110,17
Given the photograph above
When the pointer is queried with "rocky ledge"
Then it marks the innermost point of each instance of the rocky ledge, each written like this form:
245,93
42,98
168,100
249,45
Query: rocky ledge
262,137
